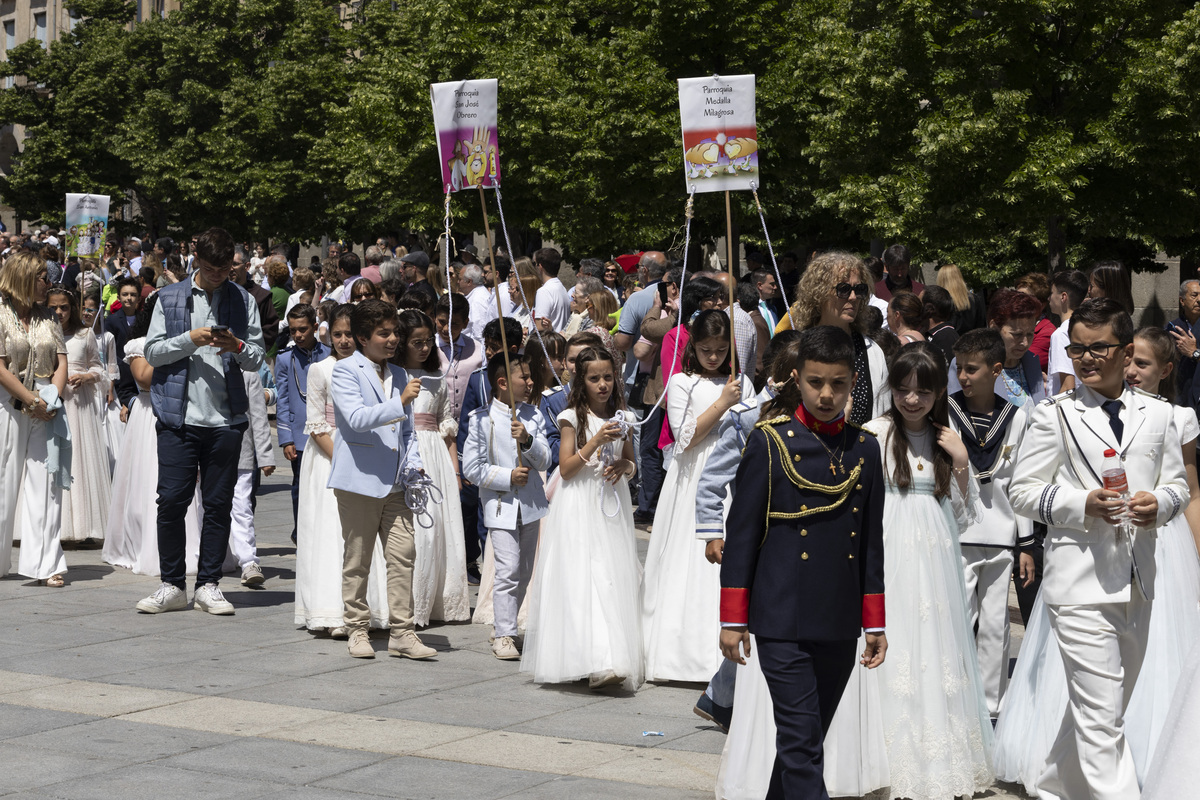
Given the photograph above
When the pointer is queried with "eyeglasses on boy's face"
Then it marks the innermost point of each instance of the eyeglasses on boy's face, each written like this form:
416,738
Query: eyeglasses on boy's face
1097,349
844,290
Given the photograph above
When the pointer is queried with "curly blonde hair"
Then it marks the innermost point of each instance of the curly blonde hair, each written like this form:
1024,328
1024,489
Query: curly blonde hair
821,277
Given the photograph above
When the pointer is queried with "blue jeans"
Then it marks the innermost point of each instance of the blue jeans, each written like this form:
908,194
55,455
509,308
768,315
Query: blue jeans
182,454
651,457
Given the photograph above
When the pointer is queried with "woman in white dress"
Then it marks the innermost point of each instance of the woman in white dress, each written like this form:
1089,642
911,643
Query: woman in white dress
319,543
585,615
131,539
33,378
935,717
85,503
680,610
440,590
1037,696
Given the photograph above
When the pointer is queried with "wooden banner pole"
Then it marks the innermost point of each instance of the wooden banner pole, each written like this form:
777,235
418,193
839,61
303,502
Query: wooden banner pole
732,279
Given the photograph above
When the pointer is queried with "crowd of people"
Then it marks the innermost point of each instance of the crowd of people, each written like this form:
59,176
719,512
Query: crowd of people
849,479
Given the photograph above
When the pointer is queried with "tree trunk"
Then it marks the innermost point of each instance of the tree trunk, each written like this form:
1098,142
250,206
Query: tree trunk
1056,245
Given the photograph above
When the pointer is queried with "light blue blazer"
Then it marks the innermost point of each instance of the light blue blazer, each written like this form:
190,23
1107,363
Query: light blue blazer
490,456
375,435
716,480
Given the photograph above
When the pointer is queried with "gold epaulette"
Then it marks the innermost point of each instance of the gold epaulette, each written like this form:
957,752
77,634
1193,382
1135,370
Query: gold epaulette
858,427
763,423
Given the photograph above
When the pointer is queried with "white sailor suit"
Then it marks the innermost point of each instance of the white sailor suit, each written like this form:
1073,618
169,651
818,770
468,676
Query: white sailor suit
988,544
1099,580
511,513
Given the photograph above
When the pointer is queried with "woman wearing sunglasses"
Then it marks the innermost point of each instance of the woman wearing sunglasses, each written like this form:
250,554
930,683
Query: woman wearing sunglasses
834,290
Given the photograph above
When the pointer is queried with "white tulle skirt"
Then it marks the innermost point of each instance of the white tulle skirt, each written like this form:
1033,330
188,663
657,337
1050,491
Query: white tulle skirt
320,549
856,763
1037,696
440,590
131,538
585,597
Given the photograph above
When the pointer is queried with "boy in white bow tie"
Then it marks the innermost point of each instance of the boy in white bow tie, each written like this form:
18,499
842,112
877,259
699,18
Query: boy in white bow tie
503,456
1099,568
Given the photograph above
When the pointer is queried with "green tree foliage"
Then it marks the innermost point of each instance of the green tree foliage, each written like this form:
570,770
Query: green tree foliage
1003,136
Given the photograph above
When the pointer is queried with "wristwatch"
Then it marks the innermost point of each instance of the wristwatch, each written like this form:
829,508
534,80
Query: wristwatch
1196,355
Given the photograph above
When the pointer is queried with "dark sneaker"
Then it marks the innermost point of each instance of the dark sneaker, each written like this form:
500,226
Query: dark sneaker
717,715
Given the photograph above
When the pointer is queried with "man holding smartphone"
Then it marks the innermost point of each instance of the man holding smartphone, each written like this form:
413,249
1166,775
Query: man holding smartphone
205,331
1185,330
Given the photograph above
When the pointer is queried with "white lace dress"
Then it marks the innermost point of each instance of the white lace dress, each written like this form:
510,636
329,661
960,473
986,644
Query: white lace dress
319,544
585,612
85,504
936,725
681,623
131,538
1037,697
440,590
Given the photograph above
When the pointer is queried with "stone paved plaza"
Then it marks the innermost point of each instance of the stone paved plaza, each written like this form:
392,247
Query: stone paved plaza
98,701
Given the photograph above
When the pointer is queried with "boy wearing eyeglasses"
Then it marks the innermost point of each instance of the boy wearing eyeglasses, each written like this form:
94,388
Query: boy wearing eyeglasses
1098,584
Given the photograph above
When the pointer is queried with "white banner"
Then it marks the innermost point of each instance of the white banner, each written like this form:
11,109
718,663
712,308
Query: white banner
464,121
720,133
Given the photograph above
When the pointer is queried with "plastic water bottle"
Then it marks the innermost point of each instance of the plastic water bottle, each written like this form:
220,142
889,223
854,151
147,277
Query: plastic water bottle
1113,475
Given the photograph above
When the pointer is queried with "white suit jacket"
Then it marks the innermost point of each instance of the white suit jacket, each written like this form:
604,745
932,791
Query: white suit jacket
1088,561
490,456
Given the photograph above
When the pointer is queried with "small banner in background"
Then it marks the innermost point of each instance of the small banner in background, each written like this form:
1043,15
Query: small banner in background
720,133
464,121
87,225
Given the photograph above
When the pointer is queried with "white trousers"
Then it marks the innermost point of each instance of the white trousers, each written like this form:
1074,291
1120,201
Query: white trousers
988,571
24,480
1102,649
514,551
243,545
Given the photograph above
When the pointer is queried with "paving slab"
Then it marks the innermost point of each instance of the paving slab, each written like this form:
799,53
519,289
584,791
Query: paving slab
137,742
272,760
18,722
423,779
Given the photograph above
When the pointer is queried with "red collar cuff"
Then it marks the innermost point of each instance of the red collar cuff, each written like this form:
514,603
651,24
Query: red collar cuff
813,424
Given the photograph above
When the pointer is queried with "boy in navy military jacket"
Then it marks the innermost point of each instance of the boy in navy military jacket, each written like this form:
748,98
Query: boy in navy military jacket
802,566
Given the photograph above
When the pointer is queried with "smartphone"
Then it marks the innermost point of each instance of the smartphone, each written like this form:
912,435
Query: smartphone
662,292
220,329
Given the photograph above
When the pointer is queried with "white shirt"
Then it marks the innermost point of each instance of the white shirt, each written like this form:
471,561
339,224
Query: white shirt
483,311
553,302
882,305
1060,363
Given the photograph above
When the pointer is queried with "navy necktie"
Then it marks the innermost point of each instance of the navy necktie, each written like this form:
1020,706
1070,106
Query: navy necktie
1113,409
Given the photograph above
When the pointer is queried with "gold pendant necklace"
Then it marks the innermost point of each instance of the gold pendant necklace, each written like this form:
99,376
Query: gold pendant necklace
834,469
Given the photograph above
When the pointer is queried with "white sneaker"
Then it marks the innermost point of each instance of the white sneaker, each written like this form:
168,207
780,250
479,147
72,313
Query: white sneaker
252,575
505,649
209,598
169,597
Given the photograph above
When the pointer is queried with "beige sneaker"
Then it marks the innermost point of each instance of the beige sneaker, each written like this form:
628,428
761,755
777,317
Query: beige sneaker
505,649
406,644
340,632
360,644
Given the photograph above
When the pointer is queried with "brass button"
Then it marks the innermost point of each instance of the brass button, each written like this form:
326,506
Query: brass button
804,532
862,438
859,486
796,457
852,556
853,534
791,434
804,508
854,511
804,556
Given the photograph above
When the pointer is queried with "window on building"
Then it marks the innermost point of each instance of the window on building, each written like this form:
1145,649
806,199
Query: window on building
10,41
39,28
160,8
72,19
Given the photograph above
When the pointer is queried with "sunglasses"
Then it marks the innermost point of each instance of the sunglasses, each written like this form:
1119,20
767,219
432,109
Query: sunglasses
844,289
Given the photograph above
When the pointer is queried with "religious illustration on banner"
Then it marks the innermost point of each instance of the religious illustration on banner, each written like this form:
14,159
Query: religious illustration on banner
720,133
87,225
464,121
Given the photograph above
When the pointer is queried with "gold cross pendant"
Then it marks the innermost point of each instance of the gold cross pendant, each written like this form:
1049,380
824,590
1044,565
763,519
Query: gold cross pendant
832,469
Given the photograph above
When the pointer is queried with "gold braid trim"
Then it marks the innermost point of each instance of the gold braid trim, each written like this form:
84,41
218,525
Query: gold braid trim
842,490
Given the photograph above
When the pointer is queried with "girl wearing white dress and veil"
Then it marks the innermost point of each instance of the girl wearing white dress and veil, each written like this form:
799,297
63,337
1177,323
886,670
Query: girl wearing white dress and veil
585,609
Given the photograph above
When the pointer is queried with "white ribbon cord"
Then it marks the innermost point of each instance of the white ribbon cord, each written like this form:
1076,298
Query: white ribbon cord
771,249
419,491
449,243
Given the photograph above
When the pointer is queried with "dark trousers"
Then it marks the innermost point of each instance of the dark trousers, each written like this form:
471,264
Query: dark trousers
472,516
213,454
806,680
1027,595
296,489
651,472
